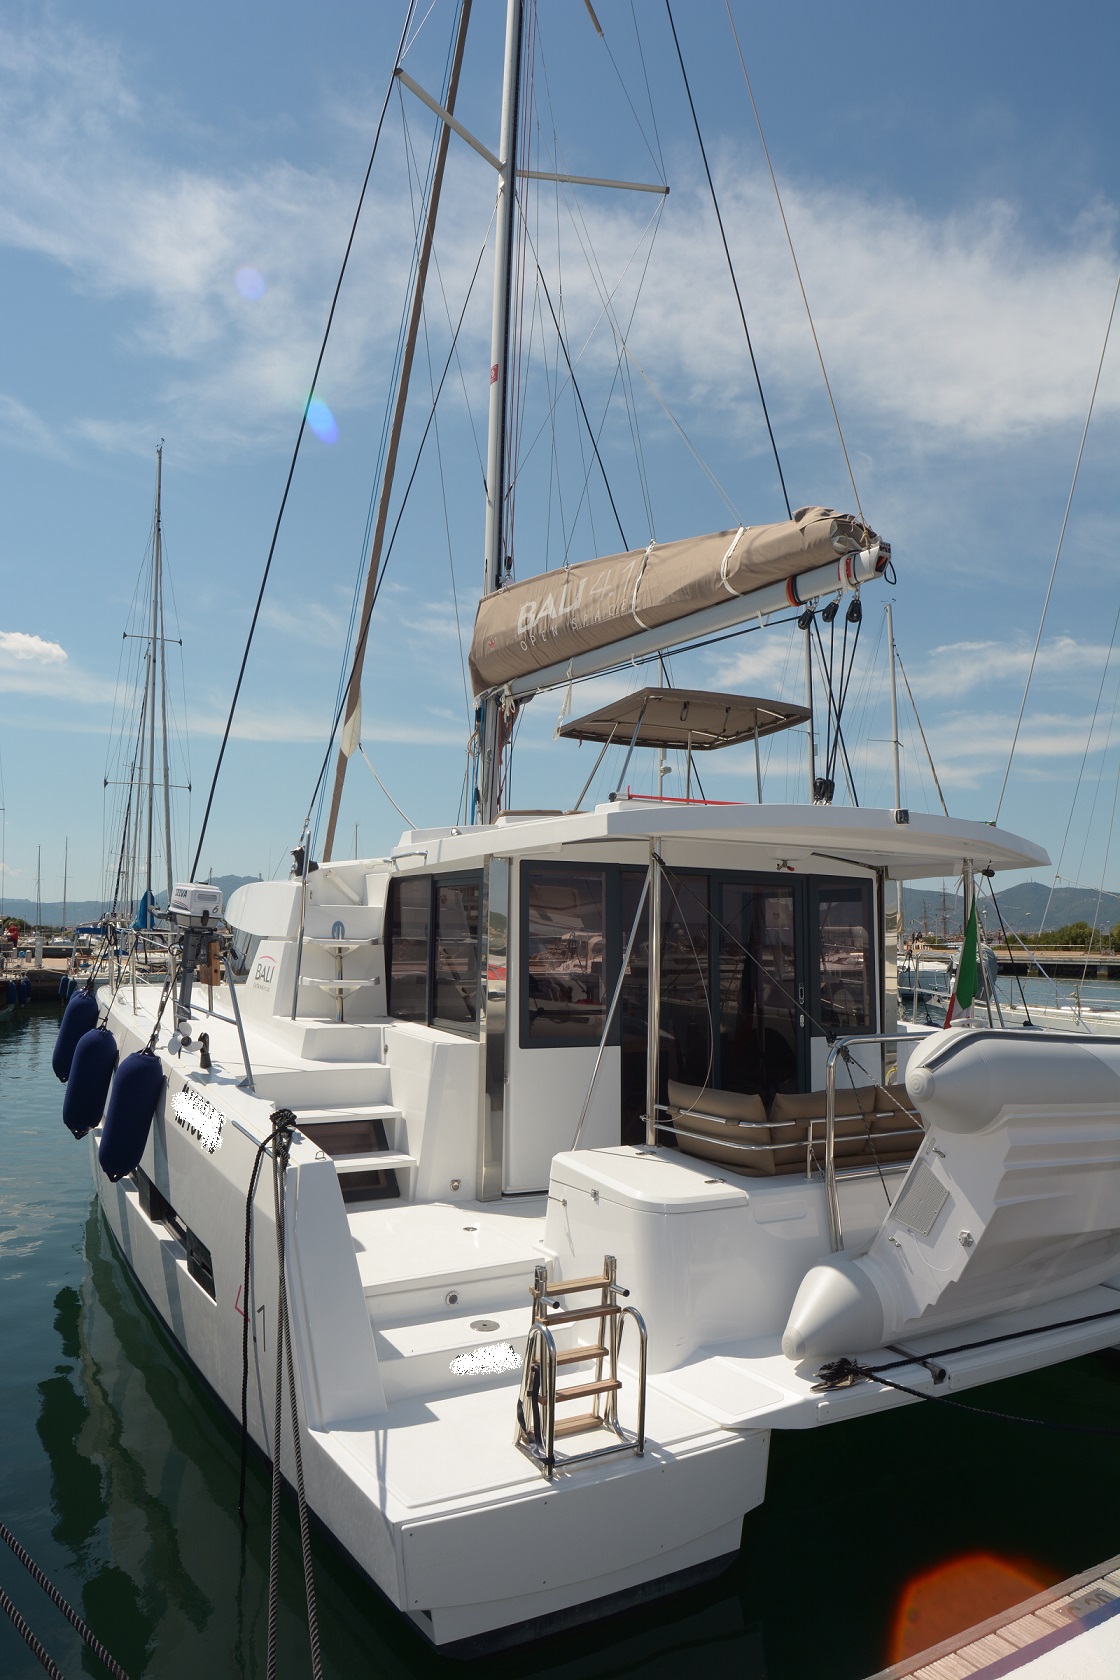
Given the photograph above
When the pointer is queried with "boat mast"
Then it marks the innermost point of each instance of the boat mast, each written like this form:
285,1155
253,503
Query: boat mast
65,876
152,695
158,563
489,711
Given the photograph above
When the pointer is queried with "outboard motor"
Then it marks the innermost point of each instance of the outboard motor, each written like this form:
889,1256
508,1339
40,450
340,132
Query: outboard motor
196,907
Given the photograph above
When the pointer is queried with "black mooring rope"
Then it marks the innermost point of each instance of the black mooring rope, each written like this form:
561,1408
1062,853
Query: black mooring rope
29,1638
56,1599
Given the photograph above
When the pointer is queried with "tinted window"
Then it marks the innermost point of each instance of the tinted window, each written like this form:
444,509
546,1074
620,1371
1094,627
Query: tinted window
409,913
846,973
758,1005
563,955
455,986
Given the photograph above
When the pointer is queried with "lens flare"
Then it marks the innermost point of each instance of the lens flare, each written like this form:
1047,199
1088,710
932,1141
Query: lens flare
322,421
250,283
953,1596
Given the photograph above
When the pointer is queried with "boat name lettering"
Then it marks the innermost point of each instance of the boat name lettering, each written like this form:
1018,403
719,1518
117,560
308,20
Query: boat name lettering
199,1117
264,970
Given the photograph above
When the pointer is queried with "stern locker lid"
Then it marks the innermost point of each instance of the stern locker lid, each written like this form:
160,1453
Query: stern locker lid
646,1182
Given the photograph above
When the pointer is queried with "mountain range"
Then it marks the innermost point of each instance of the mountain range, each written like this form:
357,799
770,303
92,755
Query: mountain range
90,909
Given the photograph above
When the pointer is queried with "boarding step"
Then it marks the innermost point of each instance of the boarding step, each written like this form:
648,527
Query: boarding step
357,1141
538,1426
425,1261
440,1356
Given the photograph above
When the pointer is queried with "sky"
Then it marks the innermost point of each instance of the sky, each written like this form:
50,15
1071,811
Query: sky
176,193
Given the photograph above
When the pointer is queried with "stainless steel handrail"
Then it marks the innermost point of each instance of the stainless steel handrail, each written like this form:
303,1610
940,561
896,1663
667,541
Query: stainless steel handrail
838,1049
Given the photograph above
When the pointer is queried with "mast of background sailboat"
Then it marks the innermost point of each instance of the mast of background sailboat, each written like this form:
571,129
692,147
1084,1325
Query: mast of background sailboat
152,689
158,566
489,711
352,712
65,877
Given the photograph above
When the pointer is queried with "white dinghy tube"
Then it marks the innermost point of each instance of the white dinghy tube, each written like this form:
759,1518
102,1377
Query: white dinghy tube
1014,1197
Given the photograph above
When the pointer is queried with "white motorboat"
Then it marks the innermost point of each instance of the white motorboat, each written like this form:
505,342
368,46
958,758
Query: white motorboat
576,1145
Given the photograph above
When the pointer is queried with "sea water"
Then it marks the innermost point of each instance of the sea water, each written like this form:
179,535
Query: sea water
119,1474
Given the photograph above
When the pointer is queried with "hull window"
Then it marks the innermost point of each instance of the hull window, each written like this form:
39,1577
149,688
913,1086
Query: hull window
156,1207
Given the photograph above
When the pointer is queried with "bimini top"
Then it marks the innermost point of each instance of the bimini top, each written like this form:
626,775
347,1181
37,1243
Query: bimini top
527,628
690,718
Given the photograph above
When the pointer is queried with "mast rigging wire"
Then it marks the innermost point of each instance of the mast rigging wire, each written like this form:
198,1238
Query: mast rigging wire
364,632
796,264
730,264
1058,550
298,442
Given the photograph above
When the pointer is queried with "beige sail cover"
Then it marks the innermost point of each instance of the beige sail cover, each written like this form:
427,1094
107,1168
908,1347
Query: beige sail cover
556,615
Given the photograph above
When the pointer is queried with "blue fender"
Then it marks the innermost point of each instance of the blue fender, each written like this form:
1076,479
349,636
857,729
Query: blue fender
13,992
25,991
80,1016
128,1118
95,1057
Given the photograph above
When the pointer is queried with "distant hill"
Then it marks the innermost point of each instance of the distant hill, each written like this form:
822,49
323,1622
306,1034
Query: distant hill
1022,907
90,909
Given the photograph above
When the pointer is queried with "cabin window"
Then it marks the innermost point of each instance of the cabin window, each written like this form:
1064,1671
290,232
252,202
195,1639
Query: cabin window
410,914
846,971
688,1050
455,977
758,996
432,960
563,954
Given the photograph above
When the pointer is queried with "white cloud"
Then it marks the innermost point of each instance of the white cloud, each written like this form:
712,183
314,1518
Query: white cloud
18,649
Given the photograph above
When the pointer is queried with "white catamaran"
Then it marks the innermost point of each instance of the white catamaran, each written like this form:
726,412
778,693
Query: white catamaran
584,1149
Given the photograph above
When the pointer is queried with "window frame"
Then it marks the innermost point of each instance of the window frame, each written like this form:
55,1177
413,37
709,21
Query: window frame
612,952
442,878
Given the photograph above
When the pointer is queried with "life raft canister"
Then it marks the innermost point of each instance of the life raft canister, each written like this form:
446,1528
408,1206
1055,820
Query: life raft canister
80,1016
128,1118
95,1057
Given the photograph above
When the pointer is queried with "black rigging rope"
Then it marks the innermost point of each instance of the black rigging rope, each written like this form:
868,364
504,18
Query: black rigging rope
730,264
298,442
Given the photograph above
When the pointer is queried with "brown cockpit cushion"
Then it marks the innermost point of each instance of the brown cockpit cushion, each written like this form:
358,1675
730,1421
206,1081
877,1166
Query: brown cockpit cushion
723,1119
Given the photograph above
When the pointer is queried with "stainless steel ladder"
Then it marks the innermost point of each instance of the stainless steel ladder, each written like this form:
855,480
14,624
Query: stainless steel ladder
538,1427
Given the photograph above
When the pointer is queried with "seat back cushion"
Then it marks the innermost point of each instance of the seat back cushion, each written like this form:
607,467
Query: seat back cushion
722,1118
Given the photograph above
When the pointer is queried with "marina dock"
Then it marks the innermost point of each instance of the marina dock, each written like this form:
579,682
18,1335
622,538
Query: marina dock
1069,1632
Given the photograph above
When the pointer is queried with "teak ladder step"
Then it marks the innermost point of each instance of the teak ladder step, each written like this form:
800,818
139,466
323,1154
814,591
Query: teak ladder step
580,1354
605,1385
538,1426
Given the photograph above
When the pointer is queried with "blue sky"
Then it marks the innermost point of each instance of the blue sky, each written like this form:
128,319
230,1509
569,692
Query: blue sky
950,176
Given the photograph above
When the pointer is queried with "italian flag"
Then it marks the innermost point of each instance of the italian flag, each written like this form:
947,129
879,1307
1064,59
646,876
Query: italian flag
968,970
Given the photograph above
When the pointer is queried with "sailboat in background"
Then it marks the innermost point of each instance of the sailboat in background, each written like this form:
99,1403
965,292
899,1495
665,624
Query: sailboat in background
588,1166
140,869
